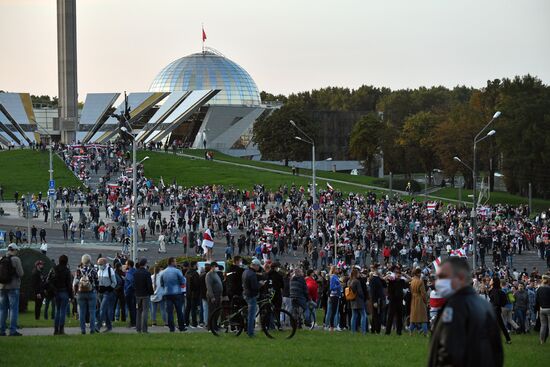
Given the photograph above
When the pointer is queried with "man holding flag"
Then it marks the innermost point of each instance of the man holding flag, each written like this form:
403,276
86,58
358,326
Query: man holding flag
208,244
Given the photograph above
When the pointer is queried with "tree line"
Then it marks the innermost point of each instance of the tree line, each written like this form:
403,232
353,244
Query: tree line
422,129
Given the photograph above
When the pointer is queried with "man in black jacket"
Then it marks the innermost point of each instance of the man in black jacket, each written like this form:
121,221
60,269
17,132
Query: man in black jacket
37,283
298,295
251,289
396,287
376,292
143,288
193,294
466,331
234,282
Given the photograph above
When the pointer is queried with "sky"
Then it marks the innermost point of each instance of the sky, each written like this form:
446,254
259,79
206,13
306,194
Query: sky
286,45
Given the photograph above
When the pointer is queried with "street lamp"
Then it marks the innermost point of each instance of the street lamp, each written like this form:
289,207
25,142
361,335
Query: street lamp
134,191
310,141
477,139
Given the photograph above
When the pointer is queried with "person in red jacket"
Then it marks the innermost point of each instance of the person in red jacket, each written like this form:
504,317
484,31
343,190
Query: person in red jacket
313,298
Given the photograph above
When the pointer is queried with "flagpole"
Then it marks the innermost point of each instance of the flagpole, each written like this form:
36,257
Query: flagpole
202,36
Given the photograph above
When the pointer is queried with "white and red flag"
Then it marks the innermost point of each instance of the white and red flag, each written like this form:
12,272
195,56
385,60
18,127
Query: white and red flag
207,240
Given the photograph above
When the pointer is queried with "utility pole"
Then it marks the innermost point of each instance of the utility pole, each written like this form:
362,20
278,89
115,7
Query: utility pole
530,199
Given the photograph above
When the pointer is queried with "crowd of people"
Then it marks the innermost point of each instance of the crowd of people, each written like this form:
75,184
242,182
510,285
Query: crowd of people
370,263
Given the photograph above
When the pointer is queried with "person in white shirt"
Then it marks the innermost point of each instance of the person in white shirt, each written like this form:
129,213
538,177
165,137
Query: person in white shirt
107,284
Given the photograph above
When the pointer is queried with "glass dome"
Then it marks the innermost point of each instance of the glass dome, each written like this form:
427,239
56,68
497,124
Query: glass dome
209,70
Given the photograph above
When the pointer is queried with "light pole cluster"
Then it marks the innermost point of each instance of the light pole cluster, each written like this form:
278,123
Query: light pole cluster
473,169
134,191
309,140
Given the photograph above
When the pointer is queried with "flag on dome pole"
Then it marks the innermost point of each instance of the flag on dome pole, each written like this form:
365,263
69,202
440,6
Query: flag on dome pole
207,240
203,37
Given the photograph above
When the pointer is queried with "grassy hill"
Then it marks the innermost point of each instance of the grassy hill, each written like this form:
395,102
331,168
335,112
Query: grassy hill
28,171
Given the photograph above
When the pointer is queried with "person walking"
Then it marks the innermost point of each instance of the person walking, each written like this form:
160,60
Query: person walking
144,289
172,281
465,332
543,301
498,300
11,272
419,300
251,289
85,285
59,280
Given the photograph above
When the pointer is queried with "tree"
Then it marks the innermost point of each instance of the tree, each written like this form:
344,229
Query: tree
365,140
275,136
417,136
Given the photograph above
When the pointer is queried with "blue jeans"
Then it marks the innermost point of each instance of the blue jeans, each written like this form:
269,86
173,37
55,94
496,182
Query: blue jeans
130,297
174,301
333,316
47,303
155,306
9,302
204,313
252,306
520,316
363,314
86,305
106,309
419,326
61,303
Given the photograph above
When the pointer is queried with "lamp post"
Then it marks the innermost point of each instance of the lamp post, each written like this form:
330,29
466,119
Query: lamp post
310,141
473,169
134,191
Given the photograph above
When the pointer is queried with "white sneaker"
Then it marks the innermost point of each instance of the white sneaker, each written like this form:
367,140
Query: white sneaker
337,328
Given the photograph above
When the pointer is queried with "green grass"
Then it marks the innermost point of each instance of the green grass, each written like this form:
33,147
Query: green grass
364,180
497,197
28,171
201,349
194,172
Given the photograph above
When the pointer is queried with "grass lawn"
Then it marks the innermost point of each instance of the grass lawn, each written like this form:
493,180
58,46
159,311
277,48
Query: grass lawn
495,198
191,172
307,348
365,180
28,171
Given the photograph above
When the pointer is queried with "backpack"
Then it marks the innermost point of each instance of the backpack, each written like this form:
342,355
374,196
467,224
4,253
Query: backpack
7,270
84,283
49,283
349,294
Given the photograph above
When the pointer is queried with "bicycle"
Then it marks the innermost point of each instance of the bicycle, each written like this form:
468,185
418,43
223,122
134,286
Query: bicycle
274,322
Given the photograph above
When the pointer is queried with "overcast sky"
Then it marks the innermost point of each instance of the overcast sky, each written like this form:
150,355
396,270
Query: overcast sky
286,45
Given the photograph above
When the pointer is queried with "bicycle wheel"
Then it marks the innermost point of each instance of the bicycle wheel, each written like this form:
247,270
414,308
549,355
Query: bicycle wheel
277,324
221,323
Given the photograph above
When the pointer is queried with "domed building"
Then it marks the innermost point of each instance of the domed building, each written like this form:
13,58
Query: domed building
203,100
209,70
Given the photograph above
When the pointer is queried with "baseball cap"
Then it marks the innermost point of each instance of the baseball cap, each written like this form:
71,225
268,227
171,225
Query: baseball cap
13,246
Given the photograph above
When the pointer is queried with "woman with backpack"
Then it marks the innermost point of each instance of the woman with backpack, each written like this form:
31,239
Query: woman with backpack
85,285
498,300
59,280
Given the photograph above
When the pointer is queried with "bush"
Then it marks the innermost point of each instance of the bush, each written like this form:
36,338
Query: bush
28,258
399,184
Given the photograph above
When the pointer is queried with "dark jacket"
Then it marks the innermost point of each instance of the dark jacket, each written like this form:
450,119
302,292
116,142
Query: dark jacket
143,285
376,289
234,281
202,285
543,297
497,299
359,301
37,282
298,288
251,286
59,280
466,333
193,284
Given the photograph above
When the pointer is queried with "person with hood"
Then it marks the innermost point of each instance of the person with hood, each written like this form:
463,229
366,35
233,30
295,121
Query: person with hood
59,280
